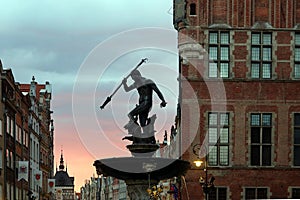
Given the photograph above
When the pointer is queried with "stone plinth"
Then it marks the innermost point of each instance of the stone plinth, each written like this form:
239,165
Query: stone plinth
142,150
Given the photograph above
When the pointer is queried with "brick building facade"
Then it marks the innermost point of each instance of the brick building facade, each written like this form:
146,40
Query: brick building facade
242,60
26,138
41,131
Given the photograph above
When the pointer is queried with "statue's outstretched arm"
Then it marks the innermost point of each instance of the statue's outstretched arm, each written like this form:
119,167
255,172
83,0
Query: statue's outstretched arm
158,92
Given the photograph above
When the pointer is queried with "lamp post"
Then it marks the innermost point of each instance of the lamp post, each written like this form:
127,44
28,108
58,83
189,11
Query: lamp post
99,186
207,185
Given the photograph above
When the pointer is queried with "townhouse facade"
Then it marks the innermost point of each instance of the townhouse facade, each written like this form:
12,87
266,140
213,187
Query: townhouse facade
240,67
20,138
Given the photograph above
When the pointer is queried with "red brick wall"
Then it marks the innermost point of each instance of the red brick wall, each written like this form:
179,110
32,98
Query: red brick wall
244,13
279,96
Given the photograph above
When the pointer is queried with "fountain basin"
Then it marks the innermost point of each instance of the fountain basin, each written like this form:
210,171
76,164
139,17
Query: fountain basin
139,168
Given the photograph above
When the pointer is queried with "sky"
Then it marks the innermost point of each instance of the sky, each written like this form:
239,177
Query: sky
84,48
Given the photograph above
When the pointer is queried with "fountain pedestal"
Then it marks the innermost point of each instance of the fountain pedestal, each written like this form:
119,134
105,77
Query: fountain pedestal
141,171
137,189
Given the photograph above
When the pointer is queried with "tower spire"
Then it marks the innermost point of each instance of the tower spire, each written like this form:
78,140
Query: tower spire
61,165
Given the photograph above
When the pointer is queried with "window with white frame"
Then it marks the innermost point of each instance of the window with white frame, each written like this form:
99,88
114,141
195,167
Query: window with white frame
1,188
12,127
25,138
0,127
8,191
7,157
7,124
261,139
218,139
11,158
261,55
219,58
1,160
296,139
256,193
297,56
219,193
19,134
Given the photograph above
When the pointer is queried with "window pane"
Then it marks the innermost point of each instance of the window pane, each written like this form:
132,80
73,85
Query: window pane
297,136
255,53
296,193
297,119
255,70
262,193
224,38
213,38
266,71
297,155
7,124
224,155
213,135
267,54
266,155
255,38
213,70
193,9
297,54
255,135
224,119
297,70
255,155
266,119
224,53
213,118
212,195
224,135
250,193
224,70
212,156
213,53
266,135
222,193
297,39
255,119
267,38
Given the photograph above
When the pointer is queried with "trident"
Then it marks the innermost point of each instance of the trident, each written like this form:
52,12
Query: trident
108,99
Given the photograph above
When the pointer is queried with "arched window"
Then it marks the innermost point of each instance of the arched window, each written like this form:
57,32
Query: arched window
192,9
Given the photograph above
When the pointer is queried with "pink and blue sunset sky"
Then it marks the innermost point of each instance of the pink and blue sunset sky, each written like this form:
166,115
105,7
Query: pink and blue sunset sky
84,49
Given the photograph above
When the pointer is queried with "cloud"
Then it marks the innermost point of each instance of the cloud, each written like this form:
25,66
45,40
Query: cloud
50,39
54,37
71,17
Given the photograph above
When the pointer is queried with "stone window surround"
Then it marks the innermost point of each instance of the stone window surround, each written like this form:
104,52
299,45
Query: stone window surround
243,194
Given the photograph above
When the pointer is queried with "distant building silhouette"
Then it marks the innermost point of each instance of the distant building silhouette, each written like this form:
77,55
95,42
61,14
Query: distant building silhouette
64,184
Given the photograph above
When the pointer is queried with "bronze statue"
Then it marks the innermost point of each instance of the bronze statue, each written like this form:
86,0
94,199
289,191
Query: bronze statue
142,132
145,88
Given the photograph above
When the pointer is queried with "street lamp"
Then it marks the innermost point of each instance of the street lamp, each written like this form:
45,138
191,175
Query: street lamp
207,185
198,163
